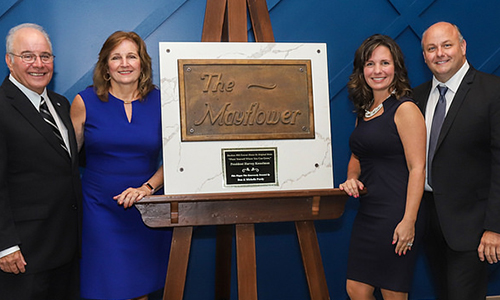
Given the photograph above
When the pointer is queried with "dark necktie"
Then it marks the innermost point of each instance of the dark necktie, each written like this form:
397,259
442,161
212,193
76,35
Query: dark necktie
47,116
437,123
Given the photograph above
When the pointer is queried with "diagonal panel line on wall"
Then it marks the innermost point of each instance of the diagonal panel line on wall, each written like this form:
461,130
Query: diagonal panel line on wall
409,17
144,29
339,81
492,63
158,17
272,4
7,5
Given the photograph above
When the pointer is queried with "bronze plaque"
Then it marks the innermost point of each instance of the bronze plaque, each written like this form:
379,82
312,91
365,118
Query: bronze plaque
233,99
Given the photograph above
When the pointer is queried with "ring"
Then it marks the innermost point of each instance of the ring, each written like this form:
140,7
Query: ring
409,244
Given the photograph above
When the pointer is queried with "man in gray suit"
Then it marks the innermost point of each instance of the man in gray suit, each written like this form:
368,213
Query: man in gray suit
462,197
40,193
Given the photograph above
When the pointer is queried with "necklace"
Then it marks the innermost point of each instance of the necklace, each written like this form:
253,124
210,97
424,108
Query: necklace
369,114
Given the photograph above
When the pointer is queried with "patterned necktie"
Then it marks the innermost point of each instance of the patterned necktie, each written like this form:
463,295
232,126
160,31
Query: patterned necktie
47,116
437,123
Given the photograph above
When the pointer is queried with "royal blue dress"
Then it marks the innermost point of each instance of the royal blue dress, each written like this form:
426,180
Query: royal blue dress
122,258
384,172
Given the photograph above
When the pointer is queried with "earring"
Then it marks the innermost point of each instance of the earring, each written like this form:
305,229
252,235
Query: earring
107,78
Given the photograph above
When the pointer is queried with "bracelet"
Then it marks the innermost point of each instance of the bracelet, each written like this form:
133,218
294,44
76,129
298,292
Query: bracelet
149,186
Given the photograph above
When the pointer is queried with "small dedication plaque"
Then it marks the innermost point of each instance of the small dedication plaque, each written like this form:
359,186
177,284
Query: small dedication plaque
245,99
244,167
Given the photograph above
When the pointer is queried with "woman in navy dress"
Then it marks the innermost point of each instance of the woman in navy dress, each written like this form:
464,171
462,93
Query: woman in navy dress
388,158
119,119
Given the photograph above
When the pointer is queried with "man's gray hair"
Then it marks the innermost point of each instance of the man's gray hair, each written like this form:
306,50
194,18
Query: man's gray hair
9,40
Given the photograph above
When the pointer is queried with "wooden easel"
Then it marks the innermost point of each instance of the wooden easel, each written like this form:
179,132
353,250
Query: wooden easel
226,20
242,210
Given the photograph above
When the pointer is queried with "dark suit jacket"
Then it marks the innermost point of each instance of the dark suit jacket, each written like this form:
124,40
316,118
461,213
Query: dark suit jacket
40,192
466,166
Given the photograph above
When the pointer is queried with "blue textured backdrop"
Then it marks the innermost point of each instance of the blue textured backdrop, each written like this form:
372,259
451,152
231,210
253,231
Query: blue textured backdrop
78,29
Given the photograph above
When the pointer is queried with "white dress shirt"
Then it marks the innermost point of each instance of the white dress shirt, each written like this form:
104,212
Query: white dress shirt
453,84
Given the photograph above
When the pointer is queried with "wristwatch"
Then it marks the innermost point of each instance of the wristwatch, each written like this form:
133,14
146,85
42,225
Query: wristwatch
149,186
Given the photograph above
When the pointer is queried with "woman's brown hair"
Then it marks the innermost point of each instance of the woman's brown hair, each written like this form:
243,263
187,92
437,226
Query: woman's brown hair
101,76
359,92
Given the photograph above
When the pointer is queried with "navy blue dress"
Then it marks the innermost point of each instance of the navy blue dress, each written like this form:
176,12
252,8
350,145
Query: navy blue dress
384,172
122,258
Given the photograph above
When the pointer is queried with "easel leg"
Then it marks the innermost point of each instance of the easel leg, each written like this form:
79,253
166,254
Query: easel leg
311,258
223,255
177,263
246,262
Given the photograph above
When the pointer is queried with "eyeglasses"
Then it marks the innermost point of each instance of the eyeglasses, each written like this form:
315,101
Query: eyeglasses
30,58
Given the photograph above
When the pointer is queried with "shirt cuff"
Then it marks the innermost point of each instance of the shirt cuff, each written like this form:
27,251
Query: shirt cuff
9,251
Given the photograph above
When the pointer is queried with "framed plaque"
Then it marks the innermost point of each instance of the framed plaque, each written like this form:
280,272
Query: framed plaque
244,117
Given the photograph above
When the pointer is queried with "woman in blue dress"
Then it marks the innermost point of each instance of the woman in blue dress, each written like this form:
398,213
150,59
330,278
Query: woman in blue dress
388,158
118,122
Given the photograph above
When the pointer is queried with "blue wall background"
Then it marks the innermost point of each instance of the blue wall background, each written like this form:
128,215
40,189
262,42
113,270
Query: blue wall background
78,29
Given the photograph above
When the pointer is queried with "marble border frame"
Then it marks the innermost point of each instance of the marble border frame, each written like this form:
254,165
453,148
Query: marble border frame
196,167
